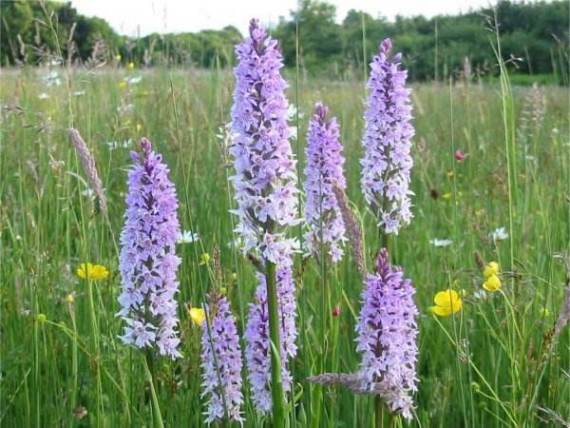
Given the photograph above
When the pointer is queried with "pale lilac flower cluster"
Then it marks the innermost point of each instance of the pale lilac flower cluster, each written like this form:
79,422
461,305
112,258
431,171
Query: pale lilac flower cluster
257,352
221,362
148,261
387,162
387,333
265,179
324,170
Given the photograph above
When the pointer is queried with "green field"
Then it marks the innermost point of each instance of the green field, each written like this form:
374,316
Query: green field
491,364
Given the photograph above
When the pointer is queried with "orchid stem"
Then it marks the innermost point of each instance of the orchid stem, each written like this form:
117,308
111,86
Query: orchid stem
277,392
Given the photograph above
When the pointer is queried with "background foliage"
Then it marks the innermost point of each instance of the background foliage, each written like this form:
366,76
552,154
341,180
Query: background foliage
534,37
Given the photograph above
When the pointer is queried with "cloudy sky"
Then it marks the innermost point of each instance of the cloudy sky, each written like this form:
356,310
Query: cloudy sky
132,17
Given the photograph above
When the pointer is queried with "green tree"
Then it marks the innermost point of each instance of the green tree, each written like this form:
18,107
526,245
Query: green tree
319,35
15,26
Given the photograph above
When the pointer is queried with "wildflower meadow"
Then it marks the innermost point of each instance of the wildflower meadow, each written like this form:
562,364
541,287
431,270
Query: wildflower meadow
257,246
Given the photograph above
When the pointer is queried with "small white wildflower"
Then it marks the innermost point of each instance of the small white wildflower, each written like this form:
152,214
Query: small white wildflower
52,78
225,134
133,80
292,112
441,242
499,234
43,96
480,295
88,193
293,132
114,145
187,237
125,108
236,243
78,93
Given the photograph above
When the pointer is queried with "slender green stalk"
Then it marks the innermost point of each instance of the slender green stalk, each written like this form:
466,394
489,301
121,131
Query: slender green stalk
131,383
74,359
457,332
37,369
378,412
157,416
277,393
510,154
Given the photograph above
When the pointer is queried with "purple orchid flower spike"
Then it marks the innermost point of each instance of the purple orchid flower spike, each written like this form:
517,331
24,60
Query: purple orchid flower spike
148,261
387,162
323,172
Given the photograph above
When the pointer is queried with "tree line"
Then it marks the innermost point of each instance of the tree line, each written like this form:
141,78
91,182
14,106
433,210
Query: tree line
534,40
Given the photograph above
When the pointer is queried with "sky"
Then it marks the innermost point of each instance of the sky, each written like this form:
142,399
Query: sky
134,17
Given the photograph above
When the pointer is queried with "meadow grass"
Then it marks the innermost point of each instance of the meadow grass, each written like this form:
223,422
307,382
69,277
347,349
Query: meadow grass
491,364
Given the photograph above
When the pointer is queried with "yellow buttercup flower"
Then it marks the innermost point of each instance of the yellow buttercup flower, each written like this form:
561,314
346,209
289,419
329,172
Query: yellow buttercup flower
447,302
131,66
197,315
41,318
70,298
491,269
91,271
118,57
492,283
139,127
122,84
204,259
